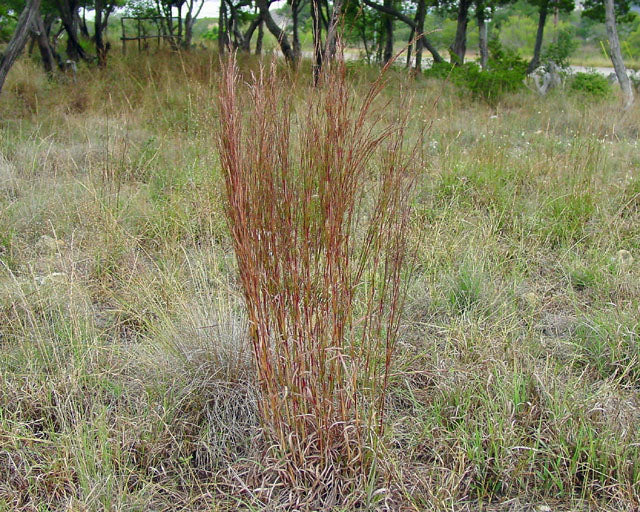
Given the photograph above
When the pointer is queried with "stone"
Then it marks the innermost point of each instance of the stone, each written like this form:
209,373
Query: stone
54,277
531,299
557,325
47,243
624,257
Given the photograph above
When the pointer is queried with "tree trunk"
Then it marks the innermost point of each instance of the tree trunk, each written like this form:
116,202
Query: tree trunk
180,38
483,39
234,28
324,13
363,36
316,28
100,47
459,46
19,38
426,43
69,15
72,50
48,21
277,32
542,19
412,34
260,37
46,53
408,21
616,54
190,21
188,29
245,45
248,35
32,45
166,14
379,40
295,11
332,32
82,23
421,13
222,27
388,34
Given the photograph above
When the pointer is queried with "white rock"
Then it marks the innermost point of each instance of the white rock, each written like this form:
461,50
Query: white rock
625,259
48,243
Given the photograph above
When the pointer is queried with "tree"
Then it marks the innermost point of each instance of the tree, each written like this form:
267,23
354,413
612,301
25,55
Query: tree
316,29
68,11
42,38
19,38
332,29
296,10
461,9
608,10
616,55
544,7
421,13
408,21
278,33
360,25
103,9
459,46
233,19
483,36
193,11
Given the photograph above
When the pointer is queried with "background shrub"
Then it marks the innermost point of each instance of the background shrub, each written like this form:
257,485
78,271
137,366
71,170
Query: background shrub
590,84
505,73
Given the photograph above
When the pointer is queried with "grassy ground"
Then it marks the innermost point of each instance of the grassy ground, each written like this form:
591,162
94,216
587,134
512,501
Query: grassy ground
125,376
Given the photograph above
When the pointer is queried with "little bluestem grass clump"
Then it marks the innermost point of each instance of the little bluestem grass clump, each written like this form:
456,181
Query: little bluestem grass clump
320,236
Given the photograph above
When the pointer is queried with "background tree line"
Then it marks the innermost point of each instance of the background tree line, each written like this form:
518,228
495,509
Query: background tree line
443,30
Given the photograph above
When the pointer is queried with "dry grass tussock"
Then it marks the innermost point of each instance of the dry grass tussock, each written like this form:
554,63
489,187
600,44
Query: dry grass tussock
127,379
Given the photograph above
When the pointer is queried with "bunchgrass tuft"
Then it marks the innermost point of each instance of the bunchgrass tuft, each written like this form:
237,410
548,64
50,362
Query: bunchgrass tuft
318,203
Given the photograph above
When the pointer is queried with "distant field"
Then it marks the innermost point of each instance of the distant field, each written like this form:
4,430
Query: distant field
126,379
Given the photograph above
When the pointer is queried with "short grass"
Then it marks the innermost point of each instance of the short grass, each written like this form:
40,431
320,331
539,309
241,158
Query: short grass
126,381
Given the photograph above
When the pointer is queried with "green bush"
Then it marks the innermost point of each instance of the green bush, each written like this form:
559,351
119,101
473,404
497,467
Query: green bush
442,70
492,83
590,84
505,73
564,46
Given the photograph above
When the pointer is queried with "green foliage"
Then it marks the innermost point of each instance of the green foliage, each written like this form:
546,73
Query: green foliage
9,12
594,9
211,34
442,70
360,22
492,83
505,73
141,9
444,31
560,50
518,33
591,84
631,43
